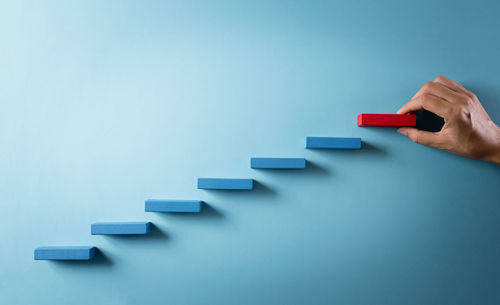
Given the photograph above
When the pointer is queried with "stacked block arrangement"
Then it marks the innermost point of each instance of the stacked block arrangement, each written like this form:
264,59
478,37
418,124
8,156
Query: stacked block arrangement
233,184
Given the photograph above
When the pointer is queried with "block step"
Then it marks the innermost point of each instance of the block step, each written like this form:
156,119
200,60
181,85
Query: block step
120,228
387,120
278,163
333,143
65,253
225,184
173,206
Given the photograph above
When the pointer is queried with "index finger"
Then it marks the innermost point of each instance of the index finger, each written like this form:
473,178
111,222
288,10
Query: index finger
427,102
453,85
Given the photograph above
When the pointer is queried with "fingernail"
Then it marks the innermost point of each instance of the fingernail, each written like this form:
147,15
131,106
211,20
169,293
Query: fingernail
402,131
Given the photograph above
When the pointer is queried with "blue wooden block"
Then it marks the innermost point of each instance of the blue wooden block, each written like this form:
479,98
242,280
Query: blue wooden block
333,143
65,253
166,205
225,184
120,228
278,163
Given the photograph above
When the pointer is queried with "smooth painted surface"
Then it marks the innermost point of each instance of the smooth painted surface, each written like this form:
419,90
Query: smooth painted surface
104,104
243,184
387,120
120,228
278,163
173,206
333,143
71,253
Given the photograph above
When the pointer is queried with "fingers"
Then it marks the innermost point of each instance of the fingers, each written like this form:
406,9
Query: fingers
439,90
431,139
446,98
451,84
427,102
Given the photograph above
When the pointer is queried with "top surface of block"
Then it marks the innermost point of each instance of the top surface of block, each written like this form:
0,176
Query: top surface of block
68,248
278,163
169,205
225,184
333,143
65,253
387,120
120,228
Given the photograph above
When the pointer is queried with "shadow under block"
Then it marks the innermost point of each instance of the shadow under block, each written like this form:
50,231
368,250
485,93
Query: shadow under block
387,120
278,163
120,228
65,253
173,206
333,143
225,184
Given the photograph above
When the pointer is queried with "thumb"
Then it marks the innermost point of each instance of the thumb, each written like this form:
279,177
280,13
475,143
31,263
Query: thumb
421,137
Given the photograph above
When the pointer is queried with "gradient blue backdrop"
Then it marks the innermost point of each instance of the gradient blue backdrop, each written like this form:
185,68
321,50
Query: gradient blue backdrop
107,103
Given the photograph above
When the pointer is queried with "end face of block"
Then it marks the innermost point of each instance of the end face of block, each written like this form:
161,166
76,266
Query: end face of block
120,228
225,184
333,143
173,206
387,120
278,163
65,253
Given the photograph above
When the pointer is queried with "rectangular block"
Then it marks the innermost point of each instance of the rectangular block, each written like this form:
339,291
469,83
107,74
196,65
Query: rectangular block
225,184
173,206
65,253
387,120
333,143
120,228
278,163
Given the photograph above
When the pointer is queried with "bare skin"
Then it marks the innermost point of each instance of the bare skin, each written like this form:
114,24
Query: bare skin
468,130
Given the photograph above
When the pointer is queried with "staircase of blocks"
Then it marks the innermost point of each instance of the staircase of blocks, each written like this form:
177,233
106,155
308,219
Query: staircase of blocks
236,184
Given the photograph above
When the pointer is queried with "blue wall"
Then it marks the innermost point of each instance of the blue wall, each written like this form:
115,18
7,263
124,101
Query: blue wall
107,103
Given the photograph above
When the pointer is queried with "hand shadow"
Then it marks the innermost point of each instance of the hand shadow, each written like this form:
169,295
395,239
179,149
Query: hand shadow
99,260
429,121
208,213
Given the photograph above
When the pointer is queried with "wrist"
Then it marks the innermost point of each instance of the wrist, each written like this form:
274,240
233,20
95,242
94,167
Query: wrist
494,155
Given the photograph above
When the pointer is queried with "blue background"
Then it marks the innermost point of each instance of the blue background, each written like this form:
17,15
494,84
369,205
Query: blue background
107,103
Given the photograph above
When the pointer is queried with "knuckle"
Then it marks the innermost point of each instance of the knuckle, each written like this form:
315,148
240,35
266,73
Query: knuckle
462,100
428,85
472,98
467,100
472,95
440,78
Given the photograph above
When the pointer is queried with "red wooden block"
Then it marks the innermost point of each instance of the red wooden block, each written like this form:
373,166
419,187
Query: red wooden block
387,120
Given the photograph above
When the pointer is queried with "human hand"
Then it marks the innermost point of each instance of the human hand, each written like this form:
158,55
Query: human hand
468,131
